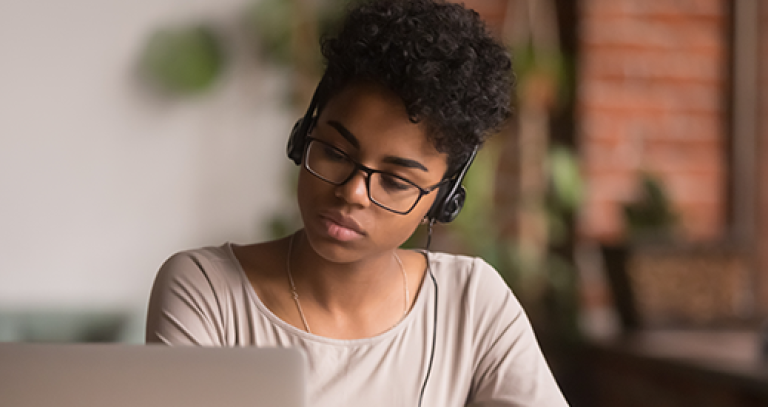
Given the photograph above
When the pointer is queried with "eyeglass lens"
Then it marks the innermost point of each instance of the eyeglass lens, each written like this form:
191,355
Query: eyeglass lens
387,190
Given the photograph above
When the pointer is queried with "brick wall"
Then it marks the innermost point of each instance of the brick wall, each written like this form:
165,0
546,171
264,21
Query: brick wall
651,86
762,179
492,11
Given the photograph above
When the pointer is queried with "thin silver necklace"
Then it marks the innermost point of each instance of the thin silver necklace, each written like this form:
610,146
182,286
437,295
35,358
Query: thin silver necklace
295,294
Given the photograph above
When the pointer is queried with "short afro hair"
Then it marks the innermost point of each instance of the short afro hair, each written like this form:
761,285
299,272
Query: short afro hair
438,57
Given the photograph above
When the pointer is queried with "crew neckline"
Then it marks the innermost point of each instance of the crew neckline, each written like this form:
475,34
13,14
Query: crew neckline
417,307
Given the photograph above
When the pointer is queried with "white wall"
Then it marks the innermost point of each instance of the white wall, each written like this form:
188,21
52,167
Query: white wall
101,180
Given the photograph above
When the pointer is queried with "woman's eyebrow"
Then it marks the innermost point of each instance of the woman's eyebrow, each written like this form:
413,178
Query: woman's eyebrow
404,162
345,133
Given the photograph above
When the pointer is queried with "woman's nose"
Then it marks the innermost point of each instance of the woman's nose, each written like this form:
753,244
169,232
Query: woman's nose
355,190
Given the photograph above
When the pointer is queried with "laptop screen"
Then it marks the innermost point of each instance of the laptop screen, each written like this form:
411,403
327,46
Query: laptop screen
91,375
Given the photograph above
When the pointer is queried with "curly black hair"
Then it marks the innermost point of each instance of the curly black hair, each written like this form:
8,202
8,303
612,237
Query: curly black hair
439,57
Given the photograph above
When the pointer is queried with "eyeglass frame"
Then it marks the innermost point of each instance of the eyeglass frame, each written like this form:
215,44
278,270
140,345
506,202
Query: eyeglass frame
367,171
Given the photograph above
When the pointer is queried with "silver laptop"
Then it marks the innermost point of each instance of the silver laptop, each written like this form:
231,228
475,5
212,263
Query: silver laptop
110,375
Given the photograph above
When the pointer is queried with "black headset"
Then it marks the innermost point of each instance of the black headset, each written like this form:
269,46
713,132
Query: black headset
450,197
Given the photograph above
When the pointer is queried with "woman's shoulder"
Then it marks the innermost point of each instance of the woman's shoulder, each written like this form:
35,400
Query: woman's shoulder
459,266
473,291
201,257
210,265
204,253
469,276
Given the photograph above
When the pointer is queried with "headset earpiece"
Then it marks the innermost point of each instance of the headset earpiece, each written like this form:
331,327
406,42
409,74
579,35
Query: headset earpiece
447,206
450,198
453,206
303,126
295,148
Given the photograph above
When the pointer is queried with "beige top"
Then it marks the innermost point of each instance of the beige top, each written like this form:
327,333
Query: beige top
485,353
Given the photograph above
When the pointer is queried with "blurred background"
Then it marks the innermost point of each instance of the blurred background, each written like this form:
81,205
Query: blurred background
625,204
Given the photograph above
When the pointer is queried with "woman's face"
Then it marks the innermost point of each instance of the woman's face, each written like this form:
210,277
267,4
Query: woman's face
370,124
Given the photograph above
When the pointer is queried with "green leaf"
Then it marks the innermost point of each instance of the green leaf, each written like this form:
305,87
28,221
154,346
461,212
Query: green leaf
183,60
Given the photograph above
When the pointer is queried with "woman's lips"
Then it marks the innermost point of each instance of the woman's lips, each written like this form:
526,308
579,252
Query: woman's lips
342,229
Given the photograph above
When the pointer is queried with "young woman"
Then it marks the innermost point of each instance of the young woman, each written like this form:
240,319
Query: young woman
411,90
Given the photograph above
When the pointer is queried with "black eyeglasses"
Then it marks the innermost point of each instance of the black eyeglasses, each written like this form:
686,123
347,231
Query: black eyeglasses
389,191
